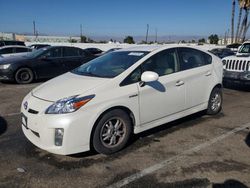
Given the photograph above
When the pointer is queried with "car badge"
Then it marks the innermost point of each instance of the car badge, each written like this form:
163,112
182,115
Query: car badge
25,105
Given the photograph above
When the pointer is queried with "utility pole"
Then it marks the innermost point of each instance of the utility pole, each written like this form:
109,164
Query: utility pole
147,33
156,32
34,28
80,30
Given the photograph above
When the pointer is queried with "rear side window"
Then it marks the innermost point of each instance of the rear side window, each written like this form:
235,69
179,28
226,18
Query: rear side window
6,51
20,50
191,58
71,52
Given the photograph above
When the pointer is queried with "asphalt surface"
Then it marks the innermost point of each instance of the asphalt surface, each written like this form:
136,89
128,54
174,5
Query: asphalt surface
196,151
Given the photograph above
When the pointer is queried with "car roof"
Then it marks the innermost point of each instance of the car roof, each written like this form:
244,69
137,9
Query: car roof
13,46
151,48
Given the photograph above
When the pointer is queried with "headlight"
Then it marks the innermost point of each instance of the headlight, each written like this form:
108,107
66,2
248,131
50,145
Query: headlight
224,62
68,105
6,66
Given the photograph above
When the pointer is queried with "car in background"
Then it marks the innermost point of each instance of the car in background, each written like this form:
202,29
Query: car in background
38,46
237,67
102,103
94,51
11,42
111,50
234,47
46,62
222,52
14,50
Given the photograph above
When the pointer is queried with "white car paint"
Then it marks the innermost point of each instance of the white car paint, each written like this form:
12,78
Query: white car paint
178,95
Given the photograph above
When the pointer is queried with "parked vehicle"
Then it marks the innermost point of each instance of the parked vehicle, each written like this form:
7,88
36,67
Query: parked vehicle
94,51
11,42
38,46
14,50
104,101
46,62
111,50
222,52
234,47
237,67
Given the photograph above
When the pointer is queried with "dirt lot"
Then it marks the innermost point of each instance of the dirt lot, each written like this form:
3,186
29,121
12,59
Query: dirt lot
196,151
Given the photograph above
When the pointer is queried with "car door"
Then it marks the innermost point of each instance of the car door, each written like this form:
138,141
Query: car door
166,96
49,64
71,58
197,68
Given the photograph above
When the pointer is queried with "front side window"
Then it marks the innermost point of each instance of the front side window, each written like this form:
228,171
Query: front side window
109,65
163,63
20,50
191,58
53,53
6,51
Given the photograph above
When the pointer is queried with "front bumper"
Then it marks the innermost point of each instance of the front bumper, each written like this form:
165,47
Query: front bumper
237,77
41,127
6,75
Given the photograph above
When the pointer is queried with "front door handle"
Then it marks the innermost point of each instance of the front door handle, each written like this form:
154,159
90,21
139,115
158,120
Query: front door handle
179,83
208,73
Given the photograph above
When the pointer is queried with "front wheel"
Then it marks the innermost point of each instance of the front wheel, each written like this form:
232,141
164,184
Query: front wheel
112,132
215,101
24,76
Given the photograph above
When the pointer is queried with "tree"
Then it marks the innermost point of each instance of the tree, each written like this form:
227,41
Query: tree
129,40
72,40
242,5
83,39
243,30
202,40
213,39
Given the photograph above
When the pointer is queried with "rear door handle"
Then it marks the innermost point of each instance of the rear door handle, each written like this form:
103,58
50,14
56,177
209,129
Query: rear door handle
208,73
179,83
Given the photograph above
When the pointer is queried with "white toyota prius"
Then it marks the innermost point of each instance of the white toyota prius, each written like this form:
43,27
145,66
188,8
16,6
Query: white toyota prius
100,104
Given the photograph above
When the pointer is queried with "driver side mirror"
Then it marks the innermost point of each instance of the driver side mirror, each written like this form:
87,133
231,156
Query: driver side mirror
149,76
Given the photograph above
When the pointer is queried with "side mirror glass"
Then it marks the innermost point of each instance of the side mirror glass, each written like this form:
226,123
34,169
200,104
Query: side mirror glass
149,76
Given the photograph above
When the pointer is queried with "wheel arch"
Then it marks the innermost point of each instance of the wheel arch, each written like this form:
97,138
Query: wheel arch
120,107
26,66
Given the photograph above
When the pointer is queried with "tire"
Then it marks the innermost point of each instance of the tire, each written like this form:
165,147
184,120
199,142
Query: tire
24,76
112,132
215,101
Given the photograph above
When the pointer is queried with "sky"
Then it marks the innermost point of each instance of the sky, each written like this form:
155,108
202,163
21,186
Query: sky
117,17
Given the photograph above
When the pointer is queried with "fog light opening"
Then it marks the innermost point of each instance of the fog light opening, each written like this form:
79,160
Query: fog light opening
59,136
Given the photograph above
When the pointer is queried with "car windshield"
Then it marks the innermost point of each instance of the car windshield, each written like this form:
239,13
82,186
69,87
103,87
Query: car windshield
36,53
109,65
245,48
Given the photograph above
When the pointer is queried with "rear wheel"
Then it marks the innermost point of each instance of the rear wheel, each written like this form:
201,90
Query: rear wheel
215,102
112,132
24,76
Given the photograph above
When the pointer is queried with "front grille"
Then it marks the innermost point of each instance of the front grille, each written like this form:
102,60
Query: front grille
237,65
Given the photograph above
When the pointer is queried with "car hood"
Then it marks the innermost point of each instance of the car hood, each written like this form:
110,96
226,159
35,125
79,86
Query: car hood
234,57
13,59
67,85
